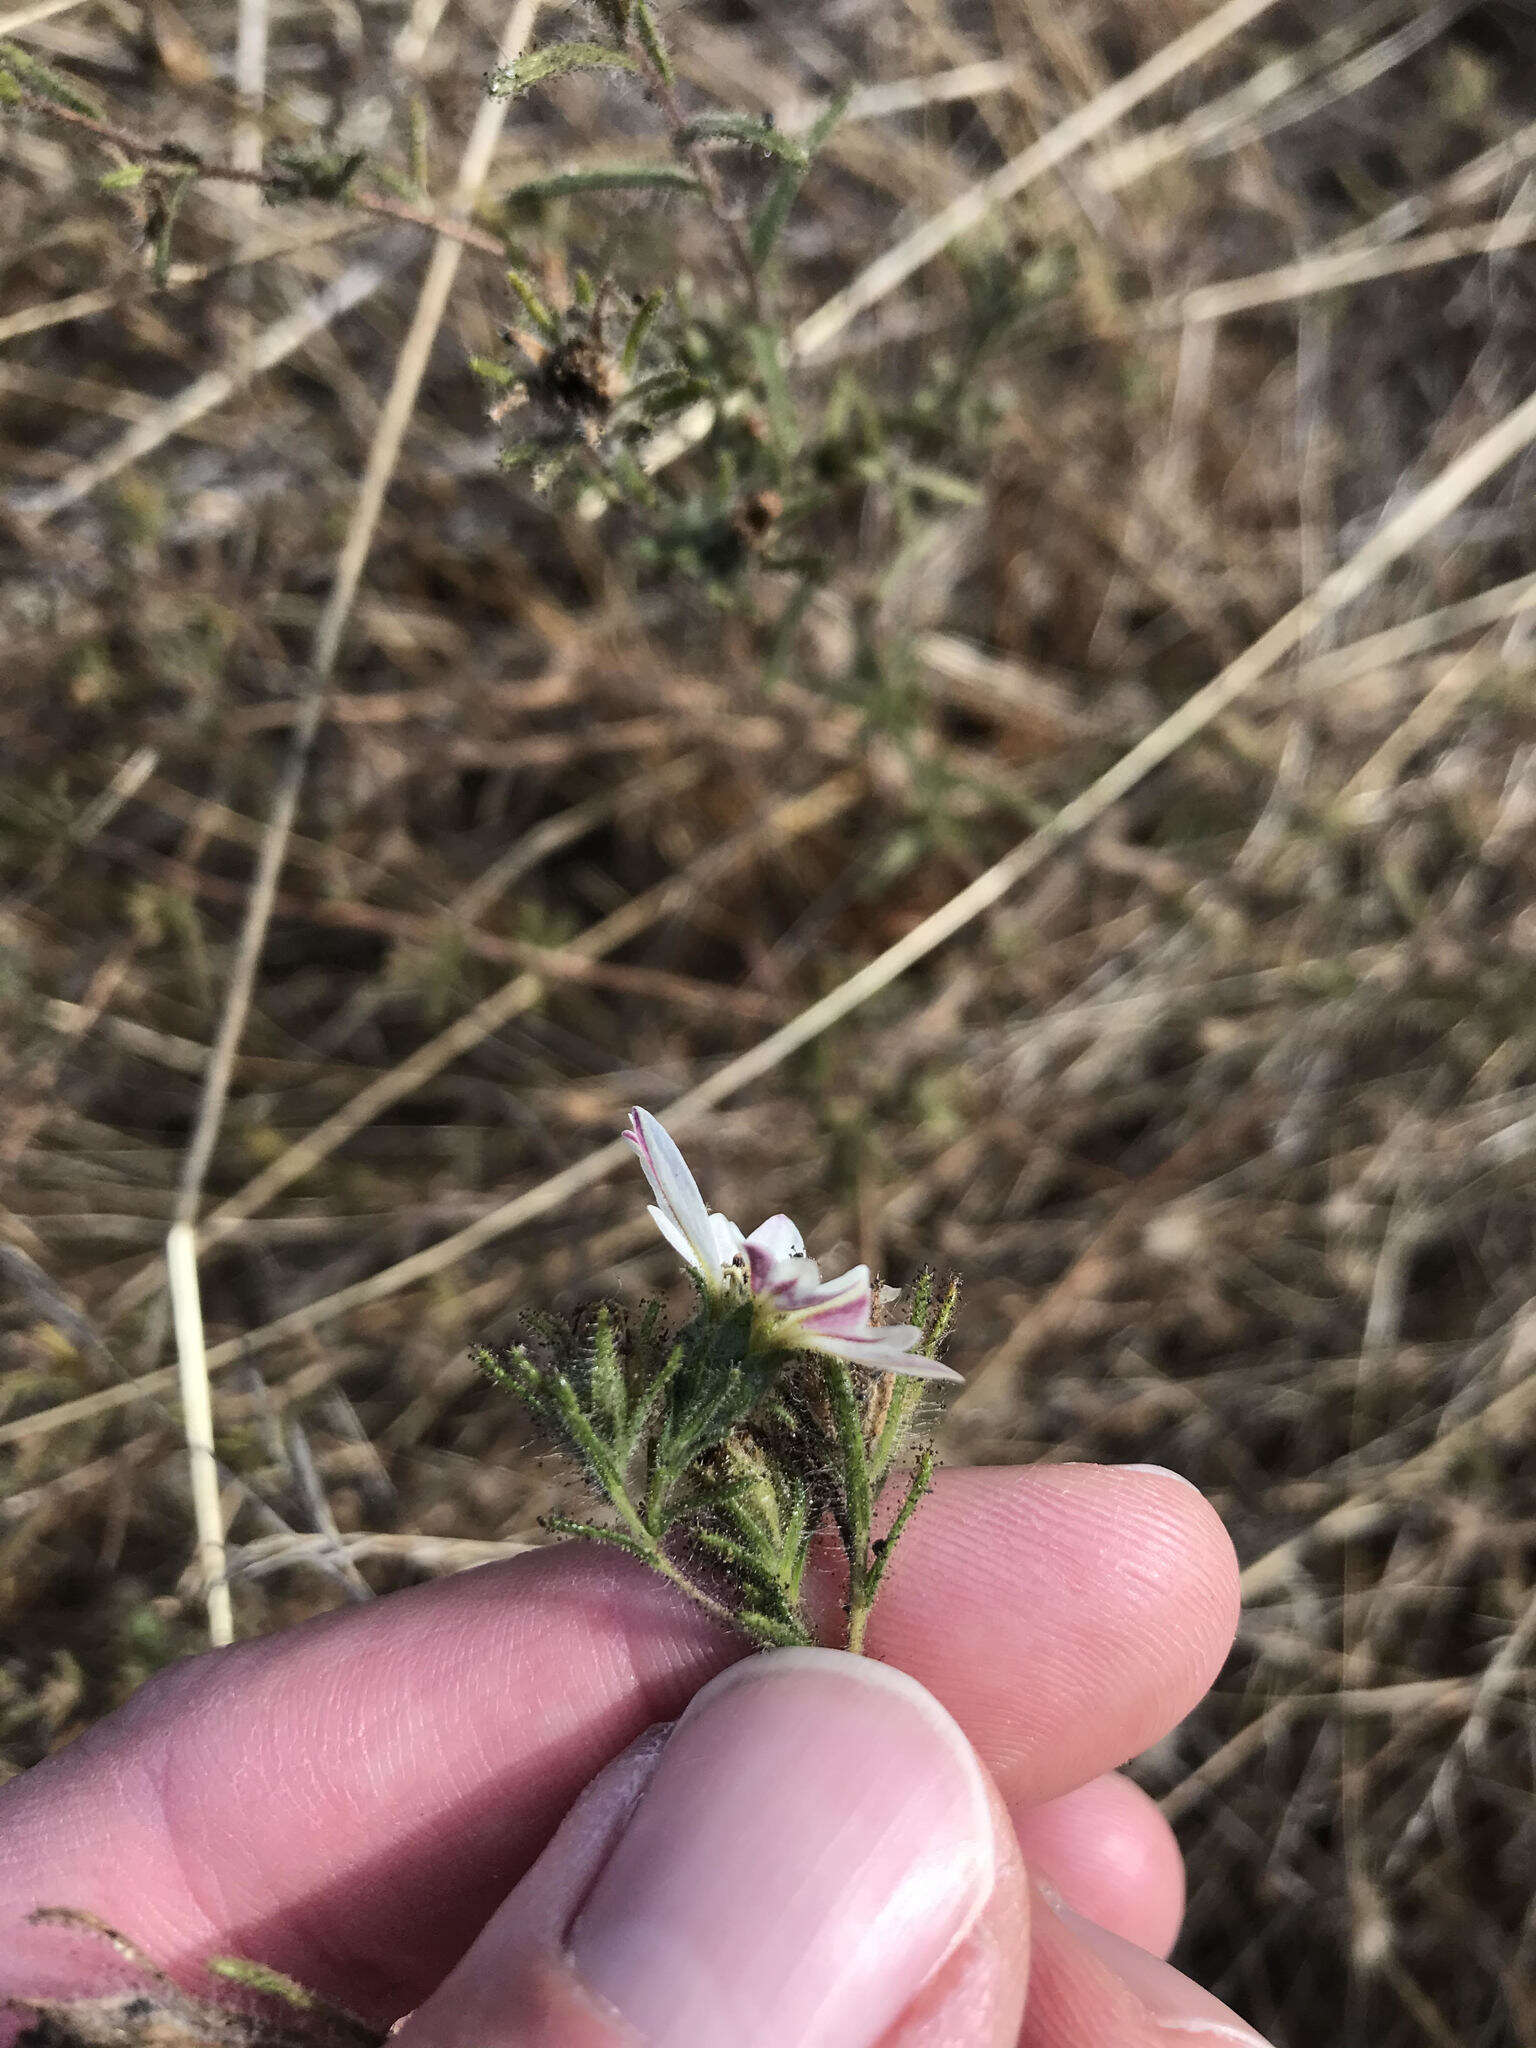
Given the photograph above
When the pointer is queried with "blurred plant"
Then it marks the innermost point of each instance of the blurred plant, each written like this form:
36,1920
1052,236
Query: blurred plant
157,2012
722,1447
591,381
154,174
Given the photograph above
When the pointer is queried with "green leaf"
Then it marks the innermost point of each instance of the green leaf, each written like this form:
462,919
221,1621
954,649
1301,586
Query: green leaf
606,178
313,174
166,198
768,361
594,1532
639,328
942,1321
906,1395
47,83
785,190
650,35
553,61
781,1635
126,178
258,1977
540,314
664,391
746,1563
489,371
605,1369
751,131
922,1483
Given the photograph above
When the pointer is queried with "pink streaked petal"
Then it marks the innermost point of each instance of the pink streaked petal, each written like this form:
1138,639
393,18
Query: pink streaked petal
838,1307
788,1284
675,1189
886,1350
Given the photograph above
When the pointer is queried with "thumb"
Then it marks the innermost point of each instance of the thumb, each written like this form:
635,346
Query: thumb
812,1857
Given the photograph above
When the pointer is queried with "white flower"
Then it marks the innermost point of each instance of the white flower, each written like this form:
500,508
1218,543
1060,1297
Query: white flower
801,1310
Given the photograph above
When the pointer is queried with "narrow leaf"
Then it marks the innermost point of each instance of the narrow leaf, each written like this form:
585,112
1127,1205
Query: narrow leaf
767,1628
534,306
553,61
606,178
594,1532
639,328
47,83
785,190
649,34
922,1483
751,131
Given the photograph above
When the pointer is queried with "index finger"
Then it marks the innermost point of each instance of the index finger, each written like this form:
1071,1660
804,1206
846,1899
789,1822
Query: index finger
350,1801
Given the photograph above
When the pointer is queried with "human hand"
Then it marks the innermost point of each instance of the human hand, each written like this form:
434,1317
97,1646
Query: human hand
815,1858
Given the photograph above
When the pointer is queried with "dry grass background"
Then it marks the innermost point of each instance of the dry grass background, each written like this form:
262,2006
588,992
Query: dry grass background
1226,1113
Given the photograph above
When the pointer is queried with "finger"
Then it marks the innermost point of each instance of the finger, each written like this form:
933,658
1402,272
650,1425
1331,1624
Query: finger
1067,1616
1110,1854
1089,1988
350,1800
813,1856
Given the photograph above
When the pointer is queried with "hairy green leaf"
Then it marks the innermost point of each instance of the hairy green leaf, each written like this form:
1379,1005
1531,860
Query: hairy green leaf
47,83
768,224
553,61
751,131
650,35
606,178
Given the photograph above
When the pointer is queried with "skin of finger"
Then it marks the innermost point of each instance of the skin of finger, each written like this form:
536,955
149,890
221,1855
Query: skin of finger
1109,1852
976,1999
1077,2001
364,1790
518,1986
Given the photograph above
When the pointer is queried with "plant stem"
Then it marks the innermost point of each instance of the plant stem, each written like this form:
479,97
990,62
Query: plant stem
849,1422
163,156
698,161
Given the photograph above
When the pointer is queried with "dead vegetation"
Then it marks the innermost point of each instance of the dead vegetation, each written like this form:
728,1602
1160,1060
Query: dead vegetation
1223,1100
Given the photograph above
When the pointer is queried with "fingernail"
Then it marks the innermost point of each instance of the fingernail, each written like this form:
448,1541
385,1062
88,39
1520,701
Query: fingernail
1161,1472
815,1841
1176,2007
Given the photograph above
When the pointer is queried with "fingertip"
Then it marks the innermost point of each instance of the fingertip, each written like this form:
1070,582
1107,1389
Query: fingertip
1107,1850
814,1854
1069,1615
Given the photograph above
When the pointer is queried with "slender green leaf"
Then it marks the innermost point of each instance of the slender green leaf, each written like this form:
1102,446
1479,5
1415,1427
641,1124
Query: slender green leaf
751,131
594,1532
258,1977
606,178
534,306
768,360
47,83
768,224
639,328
777,1634
650,35
554,61
922,1483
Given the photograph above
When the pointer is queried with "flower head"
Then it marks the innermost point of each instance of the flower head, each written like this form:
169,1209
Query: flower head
798,1309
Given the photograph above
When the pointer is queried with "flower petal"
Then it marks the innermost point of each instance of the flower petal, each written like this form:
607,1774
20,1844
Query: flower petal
727,1239
886,1350
674,1236
779,1238
838,1307
676,1191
